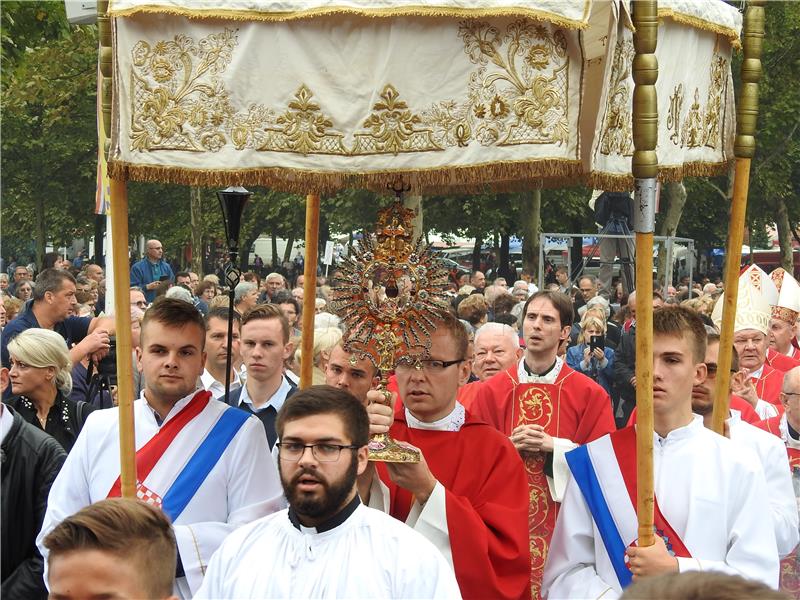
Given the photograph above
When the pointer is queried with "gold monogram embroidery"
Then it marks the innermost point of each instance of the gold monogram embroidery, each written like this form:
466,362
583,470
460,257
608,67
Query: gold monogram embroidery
700,126
616,137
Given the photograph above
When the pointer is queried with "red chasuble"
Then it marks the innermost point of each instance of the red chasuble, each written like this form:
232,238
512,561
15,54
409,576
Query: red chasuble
790,569
781,362
486,503
573,407
768,386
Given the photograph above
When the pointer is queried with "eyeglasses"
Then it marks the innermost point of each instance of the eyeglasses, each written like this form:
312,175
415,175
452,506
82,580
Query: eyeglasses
711,369
791,393
293,451
405,364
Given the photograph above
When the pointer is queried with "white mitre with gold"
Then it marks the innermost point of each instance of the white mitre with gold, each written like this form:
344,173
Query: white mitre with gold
752,308
787,307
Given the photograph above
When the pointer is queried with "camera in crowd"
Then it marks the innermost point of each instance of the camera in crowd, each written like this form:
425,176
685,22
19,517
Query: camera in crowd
107,367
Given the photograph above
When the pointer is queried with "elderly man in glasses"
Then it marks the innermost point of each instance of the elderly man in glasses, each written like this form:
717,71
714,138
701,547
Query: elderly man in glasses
327,544
468,493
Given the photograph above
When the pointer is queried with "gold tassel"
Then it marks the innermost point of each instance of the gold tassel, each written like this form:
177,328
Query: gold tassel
410,11
730,34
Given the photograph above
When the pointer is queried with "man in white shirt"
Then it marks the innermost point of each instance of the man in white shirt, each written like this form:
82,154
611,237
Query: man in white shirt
710,492
327,544
204,463
264,348
213,377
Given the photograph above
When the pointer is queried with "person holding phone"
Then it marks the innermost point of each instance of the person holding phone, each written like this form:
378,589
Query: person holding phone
590,356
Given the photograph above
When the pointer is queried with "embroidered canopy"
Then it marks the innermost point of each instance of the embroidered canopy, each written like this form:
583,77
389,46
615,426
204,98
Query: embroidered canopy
311,95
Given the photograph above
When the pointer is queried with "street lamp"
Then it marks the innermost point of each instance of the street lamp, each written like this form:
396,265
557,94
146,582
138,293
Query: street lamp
232,201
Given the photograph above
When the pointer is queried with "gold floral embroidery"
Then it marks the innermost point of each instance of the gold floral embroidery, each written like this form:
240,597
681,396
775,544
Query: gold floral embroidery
303,129
701,125
518,95
616,137
393,128
179,101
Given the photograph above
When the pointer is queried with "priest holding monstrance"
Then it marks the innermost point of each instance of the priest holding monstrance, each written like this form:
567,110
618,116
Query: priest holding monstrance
452,478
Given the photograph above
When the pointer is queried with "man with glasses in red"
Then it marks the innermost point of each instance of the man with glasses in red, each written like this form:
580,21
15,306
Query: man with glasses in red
468,493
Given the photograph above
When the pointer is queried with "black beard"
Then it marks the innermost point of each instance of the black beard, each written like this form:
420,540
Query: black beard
334,494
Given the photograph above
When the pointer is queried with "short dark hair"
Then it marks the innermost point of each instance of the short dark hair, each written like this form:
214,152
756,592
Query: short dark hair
127,528
267,311
592,279
326,399
174,313
203,286
181,274
221,312
50,280
287,300
504,303
714,338
680,321
560,301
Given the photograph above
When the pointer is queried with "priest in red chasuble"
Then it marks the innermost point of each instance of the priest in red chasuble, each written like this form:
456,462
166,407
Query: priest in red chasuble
468,494
547,409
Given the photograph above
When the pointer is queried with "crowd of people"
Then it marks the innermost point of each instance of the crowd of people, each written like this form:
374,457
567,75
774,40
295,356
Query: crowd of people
523,411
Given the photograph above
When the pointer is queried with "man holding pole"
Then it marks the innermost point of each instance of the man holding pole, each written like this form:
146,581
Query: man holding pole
709,491
206,464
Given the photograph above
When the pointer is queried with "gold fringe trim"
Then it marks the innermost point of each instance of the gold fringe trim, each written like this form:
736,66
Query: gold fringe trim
499,176
731,34
406,11
614,182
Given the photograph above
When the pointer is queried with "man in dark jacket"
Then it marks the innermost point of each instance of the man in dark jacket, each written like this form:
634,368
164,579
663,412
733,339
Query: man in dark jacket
31,459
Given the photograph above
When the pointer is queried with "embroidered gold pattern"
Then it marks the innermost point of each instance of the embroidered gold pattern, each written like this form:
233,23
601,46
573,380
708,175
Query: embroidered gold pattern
393,128
517,95
701,125
617,137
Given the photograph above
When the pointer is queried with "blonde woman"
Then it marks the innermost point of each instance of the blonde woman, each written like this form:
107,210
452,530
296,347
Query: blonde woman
593,360
325,340
41,381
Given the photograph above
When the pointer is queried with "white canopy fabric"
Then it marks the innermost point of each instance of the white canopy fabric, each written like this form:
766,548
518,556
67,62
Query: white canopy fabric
311,95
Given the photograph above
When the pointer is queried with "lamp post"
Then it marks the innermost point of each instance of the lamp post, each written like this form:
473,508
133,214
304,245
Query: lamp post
232,201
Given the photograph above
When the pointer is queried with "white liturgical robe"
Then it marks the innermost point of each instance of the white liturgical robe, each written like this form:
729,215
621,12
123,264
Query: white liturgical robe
711,491
368,555
772,453
241,487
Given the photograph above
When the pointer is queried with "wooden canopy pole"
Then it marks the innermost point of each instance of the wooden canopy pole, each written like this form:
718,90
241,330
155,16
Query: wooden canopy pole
744,149
122,316
645,173
309,289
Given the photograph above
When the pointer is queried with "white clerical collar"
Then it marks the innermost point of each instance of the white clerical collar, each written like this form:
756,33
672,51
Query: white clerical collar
757,374
680,433
452,422
6,421
549,377
217,388
277,399
735,418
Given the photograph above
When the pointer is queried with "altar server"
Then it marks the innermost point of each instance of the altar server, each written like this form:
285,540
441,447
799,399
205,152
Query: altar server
709,491
204,463
327,544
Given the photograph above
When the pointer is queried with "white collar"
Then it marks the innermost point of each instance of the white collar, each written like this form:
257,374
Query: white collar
680,433
787,439
757,374
550,377
452,422
6,421
217,388
277,399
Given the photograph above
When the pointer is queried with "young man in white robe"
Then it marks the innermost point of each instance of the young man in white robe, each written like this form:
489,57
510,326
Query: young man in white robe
710,492
327,544
768,448
206,464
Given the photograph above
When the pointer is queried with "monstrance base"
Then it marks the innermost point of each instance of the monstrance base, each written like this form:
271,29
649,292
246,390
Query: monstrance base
382,448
